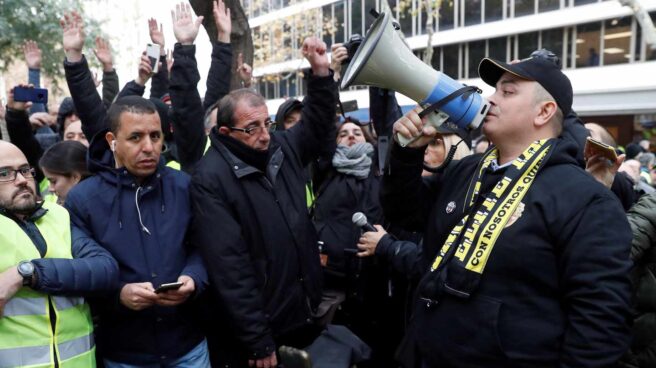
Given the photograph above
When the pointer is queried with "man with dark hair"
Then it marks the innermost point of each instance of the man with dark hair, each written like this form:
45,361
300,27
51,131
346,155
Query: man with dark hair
46,265
525,256
251,221
139,210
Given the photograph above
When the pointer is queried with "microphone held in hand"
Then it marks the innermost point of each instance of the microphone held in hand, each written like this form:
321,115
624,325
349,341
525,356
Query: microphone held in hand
360,220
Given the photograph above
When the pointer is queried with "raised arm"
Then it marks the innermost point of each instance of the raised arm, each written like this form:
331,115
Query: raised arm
33,60
315,133
20,132
160,83
80,82
103,52
218,78
187,107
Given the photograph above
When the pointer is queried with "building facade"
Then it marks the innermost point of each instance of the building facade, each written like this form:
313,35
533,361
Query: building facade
600,43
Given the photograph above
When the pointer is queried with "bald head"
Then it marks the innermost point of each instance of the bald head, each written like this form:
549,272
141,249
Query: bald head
8,150
599,133
17,192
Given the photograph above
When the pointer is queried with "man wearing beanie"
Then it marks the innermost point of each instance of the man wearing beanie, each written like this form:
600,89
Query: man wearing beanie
526,257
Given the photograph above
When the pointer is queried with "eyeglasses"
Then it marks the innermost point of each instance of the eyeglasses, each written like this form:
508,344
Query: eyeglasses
269,125
7,174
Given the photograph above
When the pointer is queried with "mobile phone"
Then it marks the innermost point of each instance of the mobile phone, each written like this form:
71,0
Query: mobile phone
594,147
152,51
25,94
170,286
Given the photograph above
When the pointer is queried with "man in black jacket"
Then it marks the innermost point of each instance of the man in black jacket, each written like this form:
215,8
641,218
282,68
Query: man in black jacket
526,257
251,220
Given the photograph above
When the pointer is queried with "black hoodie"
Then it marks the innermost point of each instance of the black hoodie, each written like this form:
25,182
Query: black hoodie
555,291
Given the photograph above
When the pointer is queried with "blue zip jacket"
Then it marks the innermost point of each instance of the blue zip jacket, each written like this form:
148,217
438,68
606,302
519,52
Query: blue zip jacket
145,228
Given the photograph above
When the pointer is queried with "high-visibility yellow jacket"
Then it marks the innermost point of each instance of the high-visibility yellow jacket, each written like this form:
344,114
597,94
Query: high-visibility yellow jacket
36,328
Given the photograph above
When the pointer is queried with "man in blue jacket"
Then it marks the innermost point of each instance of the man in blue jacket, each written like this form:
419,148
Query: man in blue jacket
139,210
44,263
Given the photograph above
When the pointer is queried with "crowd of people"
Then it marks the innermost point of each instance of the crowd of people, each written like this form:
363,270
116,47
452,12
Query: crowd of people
180,231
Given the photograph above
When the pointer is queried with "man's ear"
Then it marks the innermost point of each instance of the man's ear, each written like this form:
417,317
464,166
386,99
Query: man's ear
224,130
110,137
546,111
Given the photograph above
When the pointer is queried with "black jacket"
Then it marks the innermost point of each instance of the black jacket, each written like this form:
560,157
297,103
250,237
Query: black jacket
187,107
339,196
254,230
88,104
555,291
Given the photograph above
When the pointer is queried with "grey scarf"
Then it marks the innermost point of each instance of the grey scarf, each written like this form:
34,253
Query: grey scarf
354,160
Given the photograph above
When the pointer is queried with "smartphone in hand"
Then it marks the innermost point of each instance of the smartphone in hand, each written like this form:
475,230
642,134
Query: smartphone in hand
25,94
170,286
152,51
594,147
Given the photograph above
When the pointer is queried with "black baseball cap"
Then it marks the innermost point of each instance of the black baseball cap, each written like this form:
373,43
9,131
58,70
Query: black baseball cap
539,68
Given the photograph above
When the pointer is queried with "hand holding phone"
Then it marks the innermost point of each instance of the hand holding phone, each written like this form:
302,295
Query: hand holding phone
152,51
170,286
594,147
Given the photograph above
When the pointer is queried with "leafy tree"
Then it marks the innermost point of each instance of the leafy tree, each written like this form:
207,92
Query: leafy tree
22,20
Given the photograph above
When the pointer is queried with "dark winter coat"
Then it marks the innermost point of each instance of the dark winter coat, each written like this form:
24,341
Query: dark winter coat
103,207
255,231
642,218
555,291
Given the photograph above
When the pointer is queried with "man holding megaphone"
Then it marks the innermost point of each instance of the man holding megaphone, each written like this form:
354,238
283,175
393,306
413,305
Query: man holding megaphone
525,258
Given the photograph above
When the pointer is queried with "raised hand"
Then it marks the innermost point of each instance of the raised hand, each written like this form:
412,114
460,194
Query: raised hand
32,54
184,28
314,50
145,70
73,27
244,70
104,54
222,20
156,34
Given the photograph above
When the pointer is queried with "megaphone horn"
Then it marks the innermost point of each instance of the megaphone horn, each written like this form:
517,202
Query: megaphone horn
383,60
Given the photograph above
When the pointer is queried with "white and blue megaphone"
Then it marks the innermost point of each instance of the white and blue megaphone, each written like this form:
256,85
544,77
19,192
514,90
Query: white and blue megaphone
384,60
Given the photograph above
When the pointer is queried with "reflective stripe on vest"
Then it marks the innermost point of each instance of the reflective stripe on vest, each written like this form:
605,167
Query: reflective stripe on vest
27,319
27,356
25,307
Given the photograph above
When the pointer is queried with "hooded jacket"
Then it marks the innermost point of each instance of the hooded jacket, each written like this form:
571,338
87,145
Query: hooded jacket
144,227
254,229
555,291
284,109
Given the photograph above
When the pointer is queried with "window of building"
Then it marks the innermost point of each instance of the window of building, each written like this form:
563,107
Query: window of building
368,18
271,90
524,7
498,48
328,24
261,86
493,10
552,40
446,18
436,59
292,85
451,61
584,2
404,10
548,5
526,44
340,21
651,50
283,90
356,17
587,44
472,11
476,54
617,41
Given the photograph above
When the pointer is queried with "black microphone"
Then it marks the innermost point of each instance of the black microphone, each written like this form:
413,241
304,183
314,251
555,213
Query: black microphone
360,220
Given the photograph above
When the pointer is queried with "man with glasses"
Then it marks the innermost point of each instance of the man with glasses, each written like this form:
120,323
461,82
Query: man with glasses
252,224
45,266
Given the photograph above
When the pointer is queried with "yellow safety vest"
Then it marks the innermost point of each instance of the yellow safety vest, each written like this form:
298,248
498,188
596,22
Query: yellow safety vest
26,333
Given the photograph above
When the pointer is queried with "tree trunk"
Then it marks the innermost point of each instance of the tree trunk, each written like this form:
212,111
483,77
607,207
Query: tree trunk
241,38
